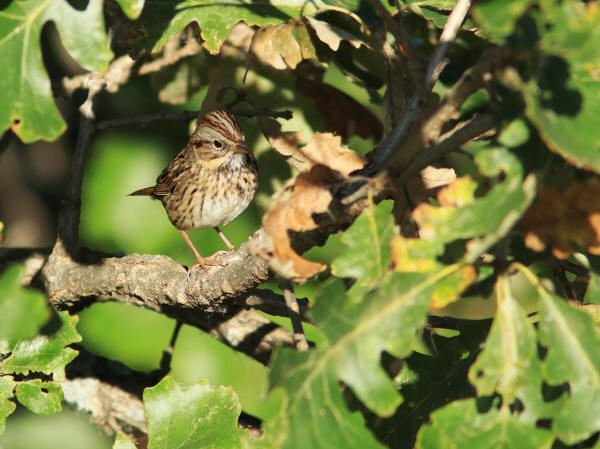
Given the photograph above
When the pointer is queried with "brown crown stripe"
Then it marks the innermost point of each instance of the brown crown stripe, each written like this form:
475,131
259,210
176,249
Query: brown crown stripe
224,123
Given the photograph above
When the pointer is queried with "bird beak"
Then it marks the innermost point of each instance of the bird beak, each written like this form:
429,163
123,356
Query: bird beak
240,148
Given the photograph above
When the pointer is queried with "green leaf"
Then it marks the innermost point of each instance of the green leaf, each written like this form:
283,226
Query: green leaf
23,311
7,388
572,340
357,333
462,215
437,4
509,363
562,100
516,133
461,425
43,398
132,8
368,255
191,417
498,18
123,442
45,353
160,21
314,414
592,294
26,104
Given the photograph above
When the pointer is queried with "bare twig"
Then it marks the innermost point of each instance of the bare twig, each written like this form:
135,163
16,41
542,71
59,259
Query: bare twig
294,312
167,355
453,139
68,219
286,114
145,120
405,46
391,144
455,20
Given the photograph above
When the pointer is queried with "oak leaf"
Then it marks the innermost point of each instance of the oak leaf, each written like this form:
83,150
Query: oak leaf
309,196
323,148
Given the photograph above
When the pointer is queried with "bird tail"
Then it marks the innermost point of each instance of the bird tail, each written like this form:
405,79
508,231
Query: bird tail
147,191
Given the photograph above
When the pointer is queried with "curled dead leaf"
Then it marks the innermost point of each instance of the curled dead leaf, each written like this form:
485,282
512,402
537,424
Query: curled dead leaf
322,149
333,35
309,196
563,219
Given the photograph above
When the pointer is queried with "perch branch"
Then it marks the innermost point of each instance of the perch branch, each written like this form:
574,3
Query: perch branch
145,120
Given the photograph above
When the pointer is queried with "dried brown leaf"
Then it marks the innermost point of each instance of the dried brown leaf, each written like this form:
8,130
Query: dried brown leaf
309,196
333,35
277,46
323,148
563,219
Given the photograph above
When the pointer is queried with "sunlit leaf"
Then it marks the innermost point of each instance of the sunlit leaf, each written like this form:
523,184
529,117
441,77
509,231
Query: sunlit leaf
192,416
461,425
43,398
509,363
368,255
27,105
123,442
45,353
22,311
216,18
7,387
572,340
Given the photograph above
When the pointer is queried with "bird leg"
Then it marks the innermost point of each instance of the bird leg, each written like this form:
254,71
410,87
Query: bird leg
202,262
228,244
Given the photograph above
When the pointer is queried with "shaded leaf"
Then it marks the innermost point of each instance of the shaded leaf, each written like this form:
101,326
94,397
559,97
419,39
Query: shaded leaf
341,113
26,104
564,218
7,388
43,398
191,416
22,311
461,425
45,353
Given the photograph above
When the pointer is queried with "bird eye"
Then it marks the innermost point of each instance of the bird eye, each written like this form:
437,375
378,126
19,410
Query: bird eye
217,144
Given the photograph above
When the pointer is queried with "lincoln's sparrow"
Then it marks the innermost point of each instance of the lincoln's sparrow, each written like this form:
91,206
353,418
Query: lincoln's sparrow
210,182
